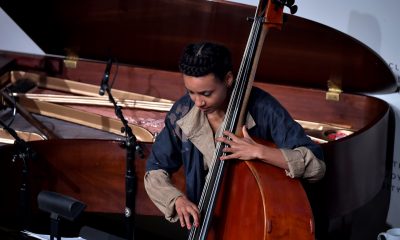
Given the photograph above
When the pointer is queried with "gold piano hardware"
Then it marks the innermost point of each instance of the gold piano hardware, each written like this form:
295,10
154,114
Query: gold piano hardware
71,61
98,101
334,91
5,137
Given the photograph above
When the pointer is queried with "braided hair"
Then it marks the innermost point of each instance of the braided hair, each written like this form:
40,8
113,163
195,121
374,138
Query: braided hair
199,59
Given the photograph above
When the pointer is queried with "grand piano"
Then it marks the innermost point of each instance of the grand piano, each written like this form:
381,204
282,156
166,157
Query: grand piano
319,74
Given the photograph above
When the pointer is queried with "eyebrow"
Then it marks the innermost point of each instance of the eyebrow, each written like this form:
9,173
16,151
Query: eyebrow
202,92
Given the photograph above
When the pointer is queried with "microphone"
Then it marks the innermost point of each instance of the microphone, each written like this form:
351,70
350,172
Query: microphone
106,77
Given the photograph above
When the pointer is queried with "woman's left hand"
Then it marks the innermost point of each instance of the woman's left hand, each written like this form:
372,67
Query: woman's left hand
243,148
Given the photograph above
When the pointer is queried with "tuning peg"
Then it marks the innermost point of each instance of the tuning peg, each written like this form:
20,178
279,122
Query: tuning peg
293,9
288,3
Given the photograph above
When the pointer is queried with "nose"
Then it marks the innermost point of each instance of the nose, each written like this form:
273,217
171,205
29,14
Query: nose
199,102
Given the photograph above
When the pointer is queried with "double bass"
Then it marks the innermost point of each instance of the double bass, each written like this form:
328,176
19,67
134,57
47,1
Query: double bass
256,201
301,66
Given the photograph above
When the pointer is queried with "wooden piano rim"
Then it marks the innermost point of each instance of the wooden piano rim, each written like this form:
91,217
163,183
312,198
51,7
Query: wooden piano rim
358,111
302,98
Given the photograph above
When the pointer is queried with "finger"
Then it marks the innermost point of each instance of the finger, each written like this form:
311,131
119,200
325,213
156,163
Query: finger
229,157
230,135
245,133
228,149
222,140
229,145
187,220
196,219
196,209
181,219
224,158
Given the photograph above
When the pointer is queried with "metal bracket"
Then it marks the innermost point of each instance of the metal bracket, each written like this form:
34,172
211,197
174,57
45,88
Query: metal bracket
71,61
334,91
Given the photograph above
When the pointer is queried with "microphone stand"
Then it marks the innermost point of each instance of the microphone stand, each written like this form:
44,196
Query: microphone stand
24,153
131,146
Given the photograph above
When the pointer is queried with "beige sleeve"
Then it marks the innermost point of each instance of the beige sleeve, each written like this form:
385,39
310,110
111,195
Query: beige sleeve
161,191
303,164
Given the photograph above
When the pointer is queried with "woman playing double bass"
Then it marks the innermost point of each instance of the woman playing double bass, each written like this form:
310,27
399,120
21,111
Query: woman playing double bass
194,122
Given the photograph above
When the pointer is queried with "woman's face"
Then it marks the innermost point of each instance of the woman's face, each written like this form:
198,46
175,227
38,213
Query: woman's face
208,92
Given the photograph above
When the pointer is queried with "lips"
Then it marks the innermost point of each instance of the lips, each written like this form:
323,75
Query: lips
204,109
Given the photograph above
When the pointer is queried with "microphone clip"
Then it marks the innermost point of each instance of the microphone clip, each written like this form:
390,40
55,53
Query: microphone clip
104,82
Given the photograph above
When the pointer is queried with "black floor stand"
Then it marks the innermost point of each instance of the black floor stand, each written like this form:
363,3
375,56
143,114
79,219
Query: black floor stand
132,147
24,153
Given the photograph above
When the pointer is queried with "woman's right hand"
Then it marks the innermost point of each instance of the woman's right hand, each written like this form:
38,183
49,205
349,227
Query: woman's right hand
186,209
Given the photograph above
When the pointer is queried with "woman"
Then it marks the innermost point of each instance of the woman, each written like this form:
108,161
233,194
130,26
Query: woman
193,124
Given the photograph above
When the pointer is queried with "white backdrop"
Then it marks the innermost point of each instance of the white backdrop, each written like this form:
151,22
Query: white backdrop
375,23
13,39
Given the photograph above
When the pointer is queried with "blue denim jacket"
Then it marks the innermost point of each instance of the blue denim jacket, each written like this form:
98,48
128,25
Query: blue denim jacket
172,149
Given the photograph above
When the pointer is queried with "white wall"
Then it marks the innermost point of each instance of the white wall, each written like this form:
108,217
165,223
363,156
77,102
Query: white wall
13,39
370,21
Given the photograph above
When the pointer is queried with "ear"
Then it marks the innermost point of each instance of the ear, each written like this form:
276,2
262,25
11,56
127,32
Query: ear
229,79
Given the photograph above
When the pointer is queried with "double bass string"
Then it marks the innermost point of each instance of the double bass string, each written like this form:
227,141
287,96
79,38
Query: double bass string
210,190
227,125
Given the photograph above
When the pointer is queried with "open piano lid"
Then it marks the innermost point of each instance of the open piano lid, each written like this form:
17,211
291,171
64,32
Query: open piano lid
152,33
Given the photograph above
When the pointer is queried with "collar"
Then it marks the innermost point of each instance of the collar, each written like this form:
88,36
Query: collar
197,129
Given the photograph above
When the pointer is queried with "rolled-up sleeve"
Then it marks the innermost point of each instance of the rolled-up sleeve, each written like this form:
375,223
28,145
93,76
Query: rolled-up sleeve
303,164
161,191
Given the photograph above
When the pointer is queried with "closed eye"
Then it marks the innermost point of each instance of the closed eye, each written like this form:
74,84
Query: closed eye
204,93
